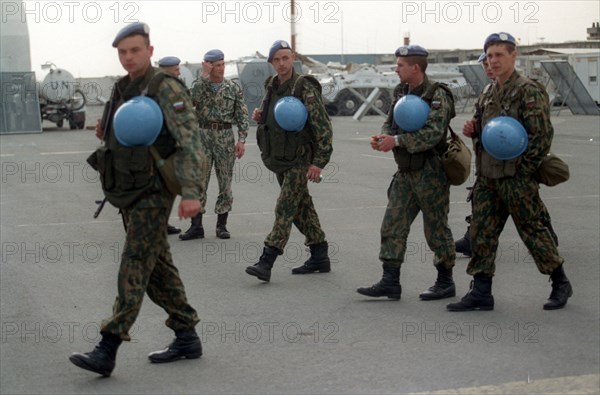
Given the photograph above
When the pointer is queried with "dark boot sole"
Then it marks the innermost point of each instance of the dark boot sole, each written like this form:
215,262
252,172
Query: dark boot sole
188,356
389,296
309,271
221,236
82,363
427,297
482,308
184,237
253,272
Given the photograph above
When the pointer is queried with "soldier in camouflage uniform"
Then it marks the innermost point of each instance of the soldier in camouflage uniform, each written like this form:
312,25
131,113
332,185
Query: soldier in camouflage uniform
219,104
130,181
420,184
295,158
508,188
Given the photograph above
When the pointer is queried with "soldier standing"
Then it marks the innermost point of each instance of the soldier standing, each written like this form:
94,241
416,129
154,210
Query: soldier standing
508,187
130,183
295,158
420,184
219,104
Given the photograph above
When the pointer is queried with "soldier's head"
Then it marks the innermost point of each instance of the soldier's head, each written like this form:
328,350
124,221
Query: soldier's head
486,65
170,64
216,59
282,57
411,63
501,53
133,45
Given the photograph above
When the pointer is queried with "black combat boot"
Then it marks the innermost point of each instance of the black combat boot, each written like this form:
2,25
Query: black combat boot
196,231
389,285
561,290
443,287
318,261
186,345
479,296
222,232
172,230
101,360
262,269
464,245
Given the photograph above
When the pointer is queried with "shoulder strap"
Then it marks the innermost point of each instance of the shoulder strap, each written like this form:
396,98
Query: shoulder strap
152,88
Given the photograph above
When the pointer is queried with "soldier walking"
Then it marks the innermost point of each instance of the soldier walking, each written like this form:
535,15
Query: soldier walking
507,187
420,184
131,183
295,158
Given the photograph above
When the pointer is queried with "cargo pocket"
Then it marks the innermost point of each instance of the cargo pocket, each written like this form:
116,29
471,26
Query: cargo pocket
262,140
133,168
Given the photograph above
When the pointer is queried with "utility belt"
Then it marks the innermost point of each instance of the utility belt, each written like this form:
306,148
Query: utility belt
215,126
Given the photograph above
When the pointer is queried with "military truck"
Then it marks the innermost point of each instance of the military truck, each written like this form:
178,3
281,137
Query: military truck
60,99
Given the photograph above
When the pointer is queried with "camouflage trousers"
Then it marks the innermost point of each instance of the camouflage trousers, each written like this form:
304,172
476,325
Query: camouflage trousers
493,202
426,191
147,267
294,206
219,147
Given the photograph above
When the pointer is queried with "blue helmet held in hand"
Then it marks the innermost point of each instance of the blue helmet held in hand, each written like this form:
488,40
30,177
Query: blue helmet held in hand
290,114
410,113
504,138
138,122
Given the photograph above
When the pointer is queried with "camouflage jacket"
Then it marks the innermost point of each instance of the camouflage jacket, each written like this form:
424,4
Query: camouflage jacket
526,101
224,106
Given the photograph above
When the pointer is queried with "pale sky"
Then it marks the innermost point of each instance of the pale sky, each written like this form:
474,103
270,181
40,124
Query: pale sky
77,35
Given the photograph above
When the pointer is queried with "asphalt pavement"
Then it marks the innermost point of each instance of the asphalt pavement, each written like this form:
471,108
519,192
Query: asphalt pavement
310,334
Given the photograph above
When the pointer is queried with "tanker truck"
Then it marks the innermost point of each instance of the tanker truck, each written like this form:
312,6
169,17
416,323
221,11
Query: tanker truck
60,98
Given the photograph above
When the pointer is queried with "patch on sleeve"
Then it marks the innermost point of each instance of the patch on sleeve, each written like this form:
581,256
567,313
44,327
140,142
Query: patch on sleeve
179,106
531,102
436,104
310,98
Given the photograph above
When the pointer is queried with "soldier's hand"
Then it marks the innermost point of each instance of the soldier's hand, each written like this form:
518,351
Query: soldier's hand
470,128
99,131
257,114
313,173
189,208
206,68
240,148
383,142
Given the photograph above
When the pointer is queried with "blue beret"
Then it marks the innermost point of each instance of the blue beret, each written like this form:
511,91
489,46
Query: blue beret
214,55
277,45
411,50
482,58
130,30
496,38
169,61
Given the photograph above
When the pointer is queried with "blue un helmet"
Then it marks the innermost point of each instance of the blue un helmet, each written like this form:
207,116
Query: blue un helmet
138,122
290,114
504,138
410,113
